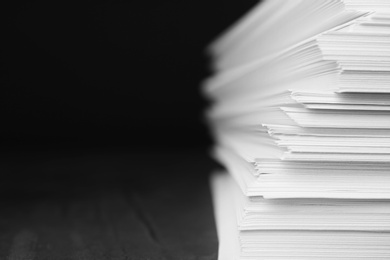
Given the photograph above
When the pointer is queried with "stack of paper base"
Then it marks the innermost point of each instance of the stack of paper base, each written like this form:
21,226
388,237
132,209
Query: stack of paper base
305,229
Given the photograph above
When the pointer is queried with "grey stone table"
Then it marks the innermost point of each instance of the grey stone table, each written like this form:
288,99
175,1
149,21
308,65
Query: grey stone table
106,205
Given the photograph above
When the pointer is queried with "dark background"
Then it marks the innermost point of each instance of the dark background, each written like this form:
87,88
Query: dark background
105,74
103,146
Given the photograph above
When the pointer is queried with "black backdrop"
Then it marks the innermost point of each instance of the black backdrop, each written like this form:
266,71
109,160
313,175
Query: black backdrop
101,129
108,73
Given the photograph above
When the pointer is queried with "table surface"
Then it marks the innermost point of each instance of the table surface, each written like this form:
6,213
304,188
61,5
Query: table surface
106,205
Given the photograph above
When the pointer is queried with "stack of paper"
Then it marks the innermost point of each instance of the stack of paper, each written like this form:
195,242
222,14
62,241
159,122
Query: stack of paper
301,117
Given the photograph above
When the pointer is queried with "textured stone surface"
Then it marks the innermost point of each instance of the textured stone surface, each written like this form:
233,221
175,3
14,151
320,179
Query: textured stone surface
106,206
